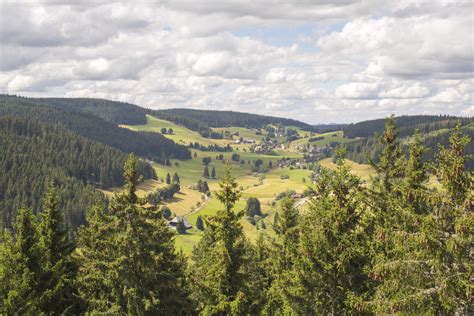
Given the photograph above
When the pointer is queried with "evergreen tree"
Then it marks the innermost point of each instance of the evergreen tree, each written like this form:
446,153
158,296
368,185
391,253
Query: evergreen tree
427,267
128,261
58,271
180,227
282,258
176,178
199,223
206,172
213,173
329,272
253,207
218,272
20,267
168,178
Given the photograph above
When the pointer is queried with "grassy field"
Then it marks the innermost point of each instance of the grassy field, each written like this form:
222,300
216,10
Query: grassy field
362,170
264,187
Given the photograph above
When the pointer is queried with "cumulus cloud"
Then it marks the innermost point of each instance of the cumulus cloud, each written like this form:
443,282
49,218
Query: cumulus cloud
318,61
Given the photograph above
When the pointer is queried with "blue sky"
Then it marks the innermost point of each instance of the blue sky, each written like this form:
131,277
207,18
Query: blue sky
313,61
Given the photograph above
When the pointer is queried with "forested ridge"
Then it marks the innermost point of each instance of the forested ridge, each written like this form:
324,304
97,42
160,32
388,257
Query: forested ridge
198,120
392,246
34,154
406,125
153,146
365,149
110,111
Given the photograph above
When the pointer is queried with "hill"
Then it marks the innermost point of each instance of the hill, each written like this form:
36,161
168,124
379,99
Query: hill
199,120
406,125
153,146
110,111
35,154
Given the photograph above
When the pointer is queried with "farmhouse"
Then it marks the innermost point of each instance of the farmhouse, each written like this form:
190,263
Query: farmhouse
174,222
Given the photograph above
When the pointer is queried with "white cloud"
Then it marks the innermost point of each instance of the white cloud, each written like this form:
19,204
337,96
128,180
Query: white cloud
318,61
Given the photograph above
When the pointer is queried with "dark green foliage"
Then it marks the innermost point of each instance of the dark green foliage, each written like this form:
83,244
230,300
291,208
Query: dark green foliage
176,178
206,160
218,273
150,145
180,227
164,193
166,212
406,125
205,174
201,120
34,154
235,157
199,223
253,207
329,273
202,186
110,111
213,173
37,273
168,178
365,149
120,273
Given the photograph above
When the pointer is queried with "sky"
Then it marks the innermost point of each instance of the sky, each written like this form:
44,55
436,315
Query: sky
318,61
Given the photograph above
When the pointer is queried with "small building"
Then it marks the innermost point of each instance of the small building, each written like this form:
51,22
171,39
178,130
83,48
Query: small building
174,222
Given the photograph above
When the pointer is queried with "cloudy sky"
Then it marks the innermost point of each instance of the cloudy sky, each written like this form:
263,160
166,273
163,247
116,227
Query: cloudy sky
318,61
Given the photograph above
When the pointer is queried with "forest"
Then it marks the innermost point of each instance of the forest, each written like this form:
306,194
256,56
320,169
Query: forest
392,246
153,146
199,120
35,154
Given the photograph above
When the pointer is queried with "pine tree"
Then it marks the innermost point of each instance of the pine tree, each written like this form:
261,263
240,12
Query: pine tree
213,173
128,261
20,267
175,178
180,227
427,267
58,269
329,275
206,172
199,223
282,258
218,275
168,178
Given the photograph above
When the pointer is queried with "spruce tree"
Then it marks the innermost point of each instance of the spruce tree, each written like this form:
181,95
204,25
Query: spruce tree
282,257
128,261
428,266
176,178
213,173
218,273
199,223
58,271
168,178
329,272
206,172
20,267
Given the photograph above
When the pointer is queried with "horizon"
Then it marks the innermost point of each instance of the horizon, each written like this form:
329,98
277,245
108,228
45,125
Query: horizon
190,108
321,62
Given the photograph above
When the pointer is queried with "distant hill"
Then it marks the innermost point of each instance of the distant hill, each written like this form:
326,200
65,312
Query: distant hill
435,131
199,120
33,154
406,125
150,145
110,111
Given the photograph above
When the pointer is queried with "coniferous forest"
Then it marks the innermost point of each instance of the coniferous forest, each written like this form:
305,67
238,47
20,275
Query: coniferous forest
394,245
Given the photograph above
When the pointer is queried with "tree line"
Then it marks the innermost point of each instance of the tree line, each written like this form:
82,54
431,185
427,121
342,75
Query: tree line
34,154
396,245
153,146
